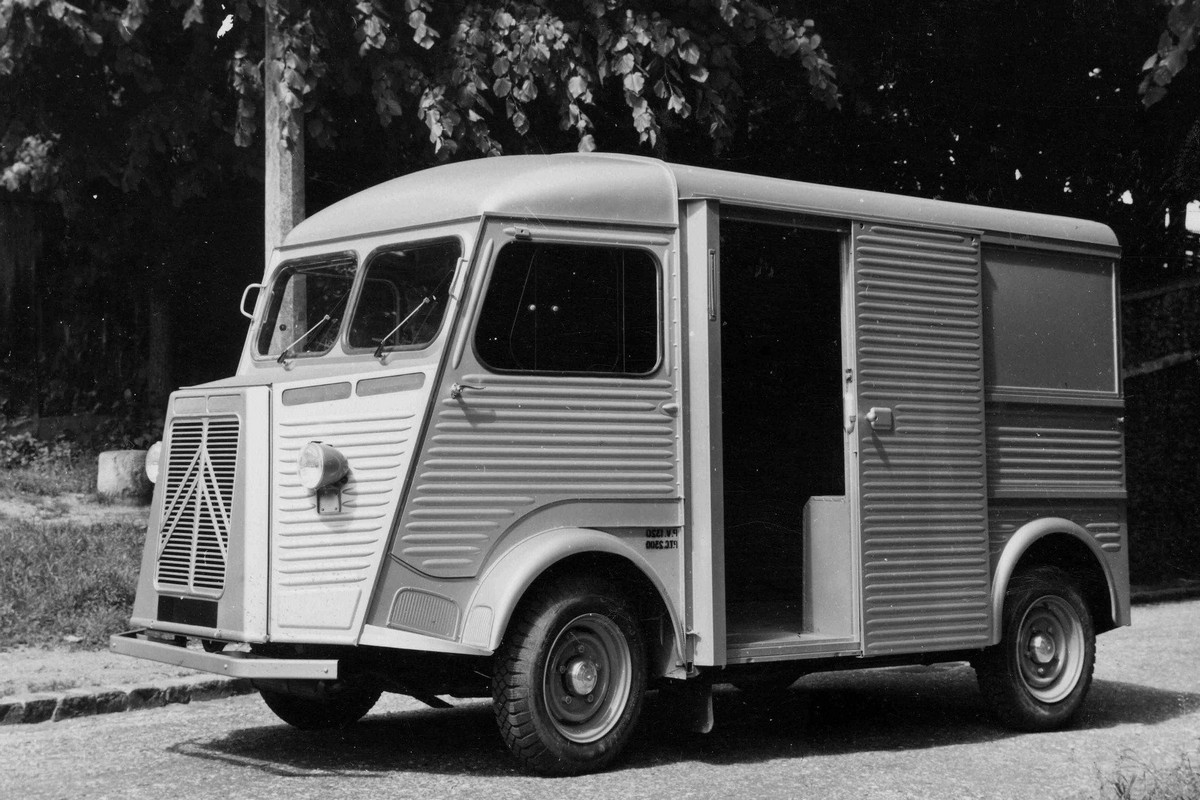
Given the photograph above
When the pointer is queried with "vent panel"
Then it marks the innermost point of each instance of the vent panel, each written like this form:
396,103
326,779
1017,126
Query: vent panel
198,497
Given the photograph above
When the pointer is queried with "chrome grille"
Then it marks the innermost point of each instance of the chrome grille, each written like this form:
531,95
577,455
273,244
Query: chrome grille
199,476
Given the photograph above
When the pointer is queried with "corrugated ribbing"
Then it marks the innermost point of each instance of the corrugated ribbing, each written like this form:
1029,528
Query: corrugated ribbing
923,483
523,443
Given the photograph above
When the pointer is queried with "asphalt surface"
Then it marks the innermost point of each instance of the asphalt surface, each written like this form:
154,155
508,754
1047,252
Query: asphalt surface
85,682
898,733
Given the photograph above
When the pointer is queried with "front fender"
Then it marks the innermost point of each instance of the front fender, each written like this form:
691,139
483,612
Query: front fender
1021,541
505,582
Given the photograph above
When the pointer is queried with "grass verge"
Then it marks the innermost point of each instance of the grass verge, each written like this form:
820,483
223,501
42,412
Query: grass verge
67,582
66,471
1178,781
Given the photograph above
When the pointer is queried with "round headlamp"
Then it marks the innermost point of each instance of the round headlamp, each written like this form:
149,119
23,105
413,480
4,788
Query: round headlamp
153,456
319,465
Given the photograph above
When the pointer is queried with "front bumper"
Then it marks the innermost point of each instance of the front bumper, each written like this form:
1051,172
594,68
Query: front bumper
235,665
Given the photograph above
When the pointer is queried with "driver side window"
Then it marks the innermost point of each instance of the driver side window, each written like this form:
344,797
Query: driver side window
567,308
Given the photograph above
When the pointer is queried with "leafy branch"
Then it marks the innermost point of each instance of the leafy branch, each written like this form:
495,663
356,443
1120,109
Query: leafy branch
1174,45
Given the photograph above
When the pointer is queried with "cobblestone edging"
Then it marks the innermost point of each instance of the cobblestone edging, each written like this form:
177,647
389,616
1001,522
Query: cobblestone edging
55,706
1189,590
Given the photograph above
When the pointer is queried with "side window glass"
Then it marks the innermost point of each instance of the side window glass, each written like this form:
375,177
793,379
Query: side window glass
308,302
572,309
404,296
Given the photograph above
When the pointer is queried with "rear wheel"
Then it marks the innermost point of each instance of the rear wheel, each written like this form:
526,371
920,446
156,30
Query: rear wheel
311,707
1037,677
570,677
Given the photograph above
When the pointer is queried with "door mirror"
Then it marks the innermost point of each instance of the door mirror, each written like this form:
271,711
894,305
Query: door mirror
255,288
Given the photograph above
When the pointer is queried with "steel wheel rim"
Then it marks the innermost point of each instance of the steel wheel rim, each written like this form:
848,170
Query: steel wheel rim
1050,649
588,678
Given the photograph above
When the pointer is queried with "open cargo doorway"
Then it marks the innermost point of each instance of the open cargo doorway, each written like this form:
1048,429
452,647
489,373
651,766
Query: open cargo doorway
783,440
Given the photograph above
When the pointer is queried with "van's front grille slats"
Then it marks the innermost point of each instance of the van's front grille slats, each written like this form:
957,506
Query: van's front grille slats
200,474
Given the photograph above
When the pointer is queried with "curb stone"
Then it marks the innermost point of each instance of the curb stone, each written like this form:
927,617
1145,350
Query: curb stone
55,706
1187,591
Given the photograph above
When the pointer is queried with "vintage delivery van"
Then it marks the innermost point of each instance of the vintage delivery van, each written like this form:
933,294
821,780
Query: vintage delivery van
560,430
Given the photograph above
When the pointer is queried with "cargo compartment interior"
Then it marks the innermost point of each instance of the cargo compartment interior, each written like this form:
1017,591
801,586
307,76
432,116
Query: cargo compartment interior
781,394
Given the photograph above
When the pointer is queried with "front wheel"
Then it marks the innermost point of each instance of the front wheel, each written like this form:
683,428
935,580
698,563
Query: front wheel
310,706
1037,677
570,677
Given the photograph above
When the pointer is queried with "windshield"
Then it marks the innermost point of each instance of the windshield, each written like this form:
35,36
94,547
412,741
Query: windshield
308,302
404,296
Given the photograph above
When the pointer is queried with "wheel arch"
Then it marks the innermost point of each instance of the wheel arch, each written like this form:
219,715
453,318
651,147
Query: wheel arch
549,554
1059,542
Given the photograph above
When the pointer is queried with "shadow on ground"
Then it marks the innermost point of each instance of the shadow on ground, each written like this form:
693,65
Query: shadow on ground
898,709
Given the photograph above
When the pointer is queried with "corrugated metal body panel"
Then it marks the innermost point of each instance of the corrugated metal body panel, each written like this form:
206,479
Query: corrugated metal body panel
526,442
1103,520
922,480
1057,453
312,549
323,565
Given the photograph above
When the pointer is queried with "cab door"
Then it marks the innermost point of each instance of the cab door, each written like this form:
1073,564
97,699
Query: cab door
918,430
558,406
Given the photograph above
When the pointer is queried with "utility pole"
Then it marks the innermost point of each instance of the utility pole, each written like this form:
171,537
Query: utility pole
284,167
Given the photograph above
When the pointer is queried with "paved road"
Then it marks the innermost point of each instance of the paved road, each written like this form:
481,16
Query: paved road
899,733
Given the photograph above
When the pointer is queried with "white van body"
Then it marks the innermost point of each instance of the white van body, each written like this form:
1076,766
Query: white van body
634,424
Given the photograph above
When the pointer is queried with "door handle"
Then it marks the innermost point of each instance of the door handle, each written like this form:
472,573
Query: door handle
880,419
456,389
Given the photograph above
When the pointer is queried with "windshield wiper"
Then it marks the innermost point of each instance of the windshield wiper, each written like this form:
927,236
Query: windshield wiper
284,355
403,322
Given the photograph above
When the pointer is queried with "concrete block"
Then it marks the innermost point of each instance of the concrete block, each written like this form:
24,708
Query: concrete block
111,701
12,711
39,708
176,693
146,696
75,703
218,688
121,477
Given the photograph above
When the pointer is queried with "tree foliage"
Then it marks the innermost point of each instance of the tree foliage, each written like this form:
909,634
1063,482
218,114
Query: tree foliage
1176,42
463,70
134,118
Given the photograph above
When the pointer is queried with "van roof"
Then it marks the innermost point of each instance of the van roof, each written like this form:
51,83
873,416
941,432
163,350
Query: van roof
618,189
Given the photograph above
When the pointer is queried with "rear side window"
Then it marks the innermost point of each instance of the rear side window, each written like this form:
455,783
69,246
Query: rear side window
571,308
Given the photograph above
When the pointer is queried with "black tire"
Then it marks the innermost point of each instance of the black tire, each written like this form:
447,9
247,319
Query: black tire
1037,677
570,677
318,710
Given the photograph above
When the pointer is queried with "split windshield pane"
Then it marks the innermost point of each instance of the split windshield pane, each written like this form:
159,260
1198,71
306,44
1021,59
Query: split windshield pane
404,295
308,303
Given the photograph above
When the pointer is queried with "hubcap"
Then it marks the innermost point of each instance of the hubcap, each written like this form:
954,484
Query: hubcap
1050,649
1042,648
587,678
582,676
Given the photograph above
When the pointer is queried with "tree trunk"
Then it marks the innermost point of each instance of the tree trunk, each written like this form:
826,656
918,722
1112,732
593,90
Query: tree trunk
20,246
158,359
284,178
